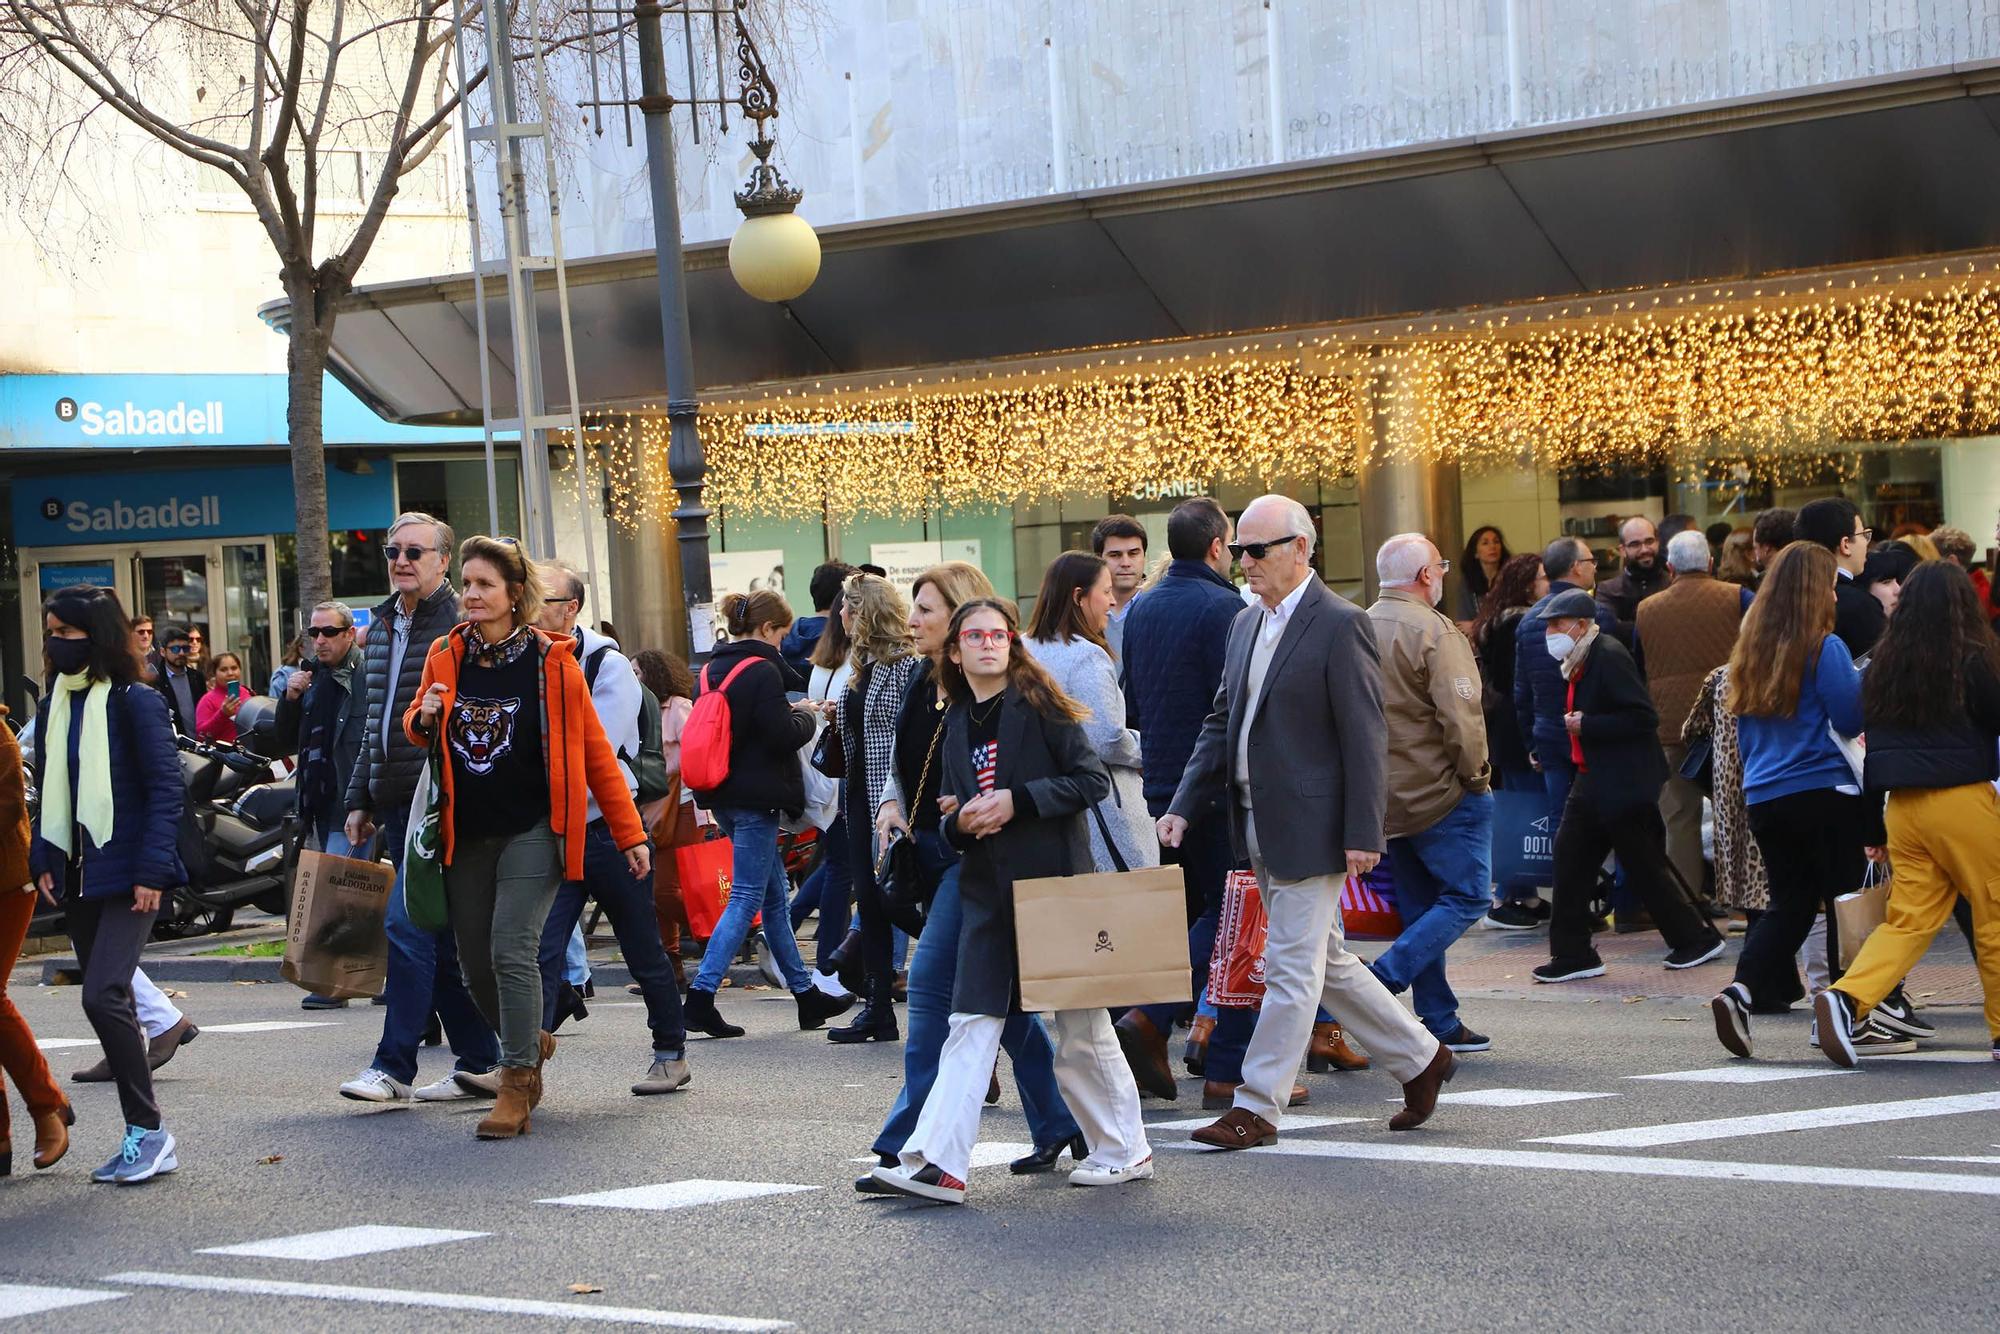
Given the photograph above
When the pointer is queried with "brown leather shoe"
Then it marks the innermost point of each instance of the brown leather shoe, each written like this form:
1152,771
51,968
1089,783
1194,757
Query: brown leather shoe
509,1117
1329,1051
1195,1058
1216,1095
1146,1052
547,1049
52,1135
993,1086
1237,1129
1420,1095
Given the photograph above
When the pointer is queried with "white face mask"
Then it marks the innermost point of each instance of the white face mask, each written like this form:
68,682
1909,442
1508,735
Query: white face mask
1560,645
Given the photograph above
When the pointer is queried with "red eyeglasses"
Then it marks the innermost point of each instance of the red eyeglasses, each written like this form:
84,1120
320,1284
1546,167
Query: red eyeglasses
990,638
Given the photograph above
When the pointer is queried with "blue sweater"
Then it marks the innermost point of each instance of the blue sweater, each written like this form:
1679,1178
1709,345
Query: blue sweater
1175,639
1783,756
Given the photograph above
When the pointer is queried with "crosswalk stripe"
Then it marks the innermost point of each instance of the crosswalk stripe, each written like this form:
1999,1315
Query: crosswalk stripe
342,1243
1746,1072
1289,1123
1513,1097
267,1026
19,1299
445,1301
678,1194
1730,1127
1947,1183
1986,1159
64,1044
993,1153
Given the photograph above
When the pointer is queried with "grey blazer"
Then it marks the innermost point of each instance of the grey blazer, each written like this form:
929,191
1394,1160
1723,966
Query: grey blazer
1318,743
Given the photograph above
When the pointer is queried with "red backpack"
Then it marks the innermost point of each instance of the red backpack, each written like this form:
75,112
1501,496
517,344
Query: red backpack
706,735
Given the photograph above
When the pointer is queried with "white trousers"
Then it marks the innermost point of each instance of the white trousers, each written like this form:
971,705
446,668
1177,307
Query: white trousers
157,1014
1090,1071
1307,965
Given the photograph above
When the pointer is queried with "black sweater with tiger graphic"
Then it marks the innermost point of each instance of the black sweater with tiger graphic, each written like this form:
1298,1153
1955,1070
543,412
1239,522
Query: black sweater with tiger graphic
500,778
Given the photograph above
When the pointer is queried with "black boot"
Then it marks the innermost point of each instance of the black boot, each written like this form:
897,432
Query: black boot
698,1008
816,1007
569,1005
845,964
877,1020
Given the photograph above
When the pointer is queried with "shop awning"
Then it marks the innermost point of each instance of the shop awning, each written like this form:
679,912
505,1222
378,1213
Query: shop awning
1851,174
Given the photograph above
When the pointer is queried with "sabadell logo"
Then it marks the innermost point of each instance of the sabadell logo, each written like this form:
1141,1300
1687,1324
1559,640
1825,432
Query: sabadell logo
94,418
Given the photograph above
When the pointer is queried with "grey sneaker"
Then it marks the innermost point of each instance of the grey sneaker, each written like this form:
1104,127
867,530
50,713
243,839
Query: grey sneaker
143,1155
663,1077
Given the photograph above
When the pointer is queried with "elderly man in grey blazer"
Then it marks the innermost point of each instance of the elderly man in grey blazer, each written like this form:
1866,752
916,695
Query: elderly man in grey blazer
1298,743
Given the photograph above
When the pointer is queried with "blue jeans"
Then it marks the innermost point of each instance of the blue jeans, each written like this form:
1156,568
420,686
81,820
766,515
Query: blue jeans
1444,878
576,958
829,889
757,884
933,972
627,901
424,977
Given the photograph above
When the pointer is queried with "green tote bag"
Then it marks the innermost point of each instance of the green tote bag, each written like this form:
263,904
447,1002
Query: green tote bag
423,850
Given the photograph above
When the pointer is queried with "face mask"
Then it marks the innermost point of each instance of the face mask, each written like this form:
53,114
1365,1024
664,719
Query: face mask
67,656
1560,646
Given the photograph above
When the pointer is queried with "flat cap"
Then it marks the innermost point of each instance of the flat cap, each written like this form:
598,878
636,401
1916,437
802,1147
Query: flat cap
1571,602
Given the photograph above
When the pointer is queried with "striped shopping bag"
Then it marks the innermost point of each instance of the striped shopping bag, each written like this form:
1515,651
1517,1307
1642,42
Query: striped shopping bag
1368,906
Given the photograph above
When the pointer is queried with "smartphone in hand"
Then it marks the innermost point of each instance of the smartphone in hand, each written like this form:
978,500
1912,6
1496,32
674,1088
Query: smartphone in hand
235,690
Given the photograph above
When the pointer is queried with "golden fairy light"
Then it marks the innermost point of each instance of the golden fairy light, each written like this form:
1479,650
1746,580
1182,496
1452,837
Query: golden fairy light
1763,392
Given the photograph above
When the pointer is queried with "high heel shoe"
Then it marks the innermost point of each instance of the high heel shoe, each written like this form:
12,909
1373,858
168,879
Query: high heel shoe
569,1005
1195,1058
1044,1160
1329,1051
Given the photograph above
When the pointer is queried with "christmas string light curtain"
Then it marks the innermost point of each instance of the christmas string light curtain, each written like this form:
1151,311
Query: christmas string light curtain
1773,392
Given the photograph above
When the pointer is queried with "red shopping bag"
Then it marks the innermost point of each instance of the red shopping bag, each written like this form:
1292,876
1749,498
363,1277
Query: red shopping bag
704,869
1236,967
1368,906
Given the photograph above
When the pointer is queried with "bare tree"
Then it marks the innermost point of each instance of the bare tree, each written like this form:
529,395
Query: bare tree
262,92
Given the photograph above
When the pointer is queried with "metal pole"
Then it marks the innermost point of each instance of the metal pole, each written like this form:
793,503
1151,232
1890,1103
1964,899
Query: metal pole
684,455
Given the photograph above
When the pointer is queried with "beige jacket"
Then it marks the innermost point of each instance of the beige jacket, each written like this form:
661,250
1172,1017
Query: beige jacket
1430,696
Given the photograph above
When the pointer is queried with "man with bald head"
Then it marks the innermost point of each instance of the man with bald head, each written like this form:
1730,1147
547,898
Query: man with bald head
1296,744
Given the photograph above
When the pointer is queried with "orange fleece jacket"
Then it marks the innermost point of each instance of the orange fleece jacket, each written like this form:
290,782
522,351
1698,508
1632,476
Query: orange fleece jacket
579,757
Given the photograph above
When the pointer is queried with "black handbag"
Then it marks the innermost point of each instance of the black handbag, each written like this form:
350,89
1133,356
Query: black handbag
829,756
1699,765
899,870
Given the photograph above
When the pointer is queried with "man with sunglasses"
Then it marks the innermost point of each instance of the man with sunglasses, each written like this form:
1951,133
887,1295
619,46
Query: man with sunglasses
1296,744
178,678
424,975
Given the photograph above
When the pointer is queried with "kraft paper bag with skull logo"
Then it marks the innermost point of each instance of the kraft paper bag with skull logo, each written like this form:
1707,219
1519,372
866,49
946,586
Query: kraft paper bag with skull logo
335,943
1101,941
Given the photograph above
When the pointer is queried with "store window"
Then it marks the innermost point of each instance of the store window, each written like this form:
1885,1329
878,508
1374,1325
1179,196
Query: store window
455,490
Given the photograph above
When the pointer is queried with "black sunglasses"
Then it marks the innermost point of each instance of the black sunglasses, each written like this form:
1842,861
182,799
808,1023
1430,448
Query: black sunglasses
177,650
1258,550
327,631
414,553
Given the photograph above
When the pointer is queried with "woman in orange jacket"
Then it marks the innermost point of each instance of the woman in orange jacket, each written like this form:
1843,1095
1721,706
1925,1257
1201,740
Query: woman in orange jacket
19,1056
522,749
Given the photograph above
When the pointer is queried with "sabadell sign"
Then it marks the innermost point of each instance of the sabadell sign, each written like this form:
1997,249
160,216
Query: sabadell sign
130,419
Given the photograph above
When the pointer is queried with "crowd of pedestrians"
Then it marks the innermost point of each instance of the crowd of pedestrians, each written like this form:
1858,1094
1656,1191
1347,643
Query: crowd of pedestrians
1151,711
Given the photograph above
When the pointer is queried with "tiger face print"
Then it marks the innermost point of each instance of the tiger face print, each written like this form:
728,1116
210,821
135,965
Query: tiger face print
481,731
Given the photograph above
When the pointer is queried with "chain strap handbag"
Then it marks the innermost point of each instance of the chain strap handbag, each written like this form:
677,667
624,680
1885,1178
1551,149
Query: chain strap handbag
899,871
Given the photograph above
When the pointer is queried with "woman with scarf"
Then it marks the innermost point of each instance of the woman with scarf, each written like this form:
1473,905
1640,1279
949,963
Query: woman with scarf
1614,805
1018,775
521,742
104,842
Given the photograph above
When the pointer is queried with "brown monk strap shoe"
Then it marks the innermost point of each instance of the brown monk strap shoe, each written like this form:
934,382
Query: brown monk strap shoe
1420,1095
1237,1129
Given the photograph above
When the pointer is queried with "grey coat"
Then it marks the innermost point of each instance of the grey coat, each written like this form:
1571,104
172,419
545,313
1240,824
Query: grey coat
1318,742
385,781
1057,767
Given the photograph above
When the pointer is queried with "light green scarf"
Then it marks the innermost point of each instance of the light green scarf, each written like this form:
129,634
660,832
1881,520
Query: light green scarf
93,788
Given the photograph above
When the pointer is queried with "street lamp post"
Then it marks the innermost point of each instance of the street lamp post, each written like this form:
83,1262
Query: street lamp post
779,259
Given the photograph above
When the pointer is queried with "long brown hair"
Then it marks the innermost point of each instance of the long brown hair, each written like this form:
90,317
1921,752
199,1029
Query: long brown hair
834,645
1782,633
1036,687
1513,586
1058,614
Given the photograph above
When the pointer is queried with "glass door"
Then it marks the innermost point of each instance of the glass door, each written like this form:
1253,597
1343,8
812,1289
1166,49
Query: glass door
172,587
246,594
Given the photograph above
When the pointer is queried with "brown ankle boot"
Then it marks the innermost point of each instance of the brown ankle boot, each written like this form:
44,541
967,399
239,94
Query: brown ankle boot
1329,1051
546,1050
52,1135
1195,1057
509,1116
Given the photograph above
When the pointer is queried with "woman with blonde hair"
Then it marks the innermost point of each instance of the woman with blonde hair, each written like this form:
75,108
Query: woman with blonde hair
910,807
885,661
522,748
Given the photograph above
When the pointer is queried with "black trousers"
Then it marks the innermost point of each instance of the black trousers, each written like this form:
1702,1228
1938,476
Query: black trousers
1812,849
878,933
1589,833
108,937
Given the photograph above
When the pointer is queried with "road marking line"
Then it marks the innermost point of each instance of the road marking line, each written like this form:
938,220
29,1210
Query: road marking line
266,1026
1941,1057
1988,1159
1289,1123
1745,1073
444,1301
18,1299
1729,1127
1513,1097
64,1044
995,1152
343,1242
678,1194
1624,1165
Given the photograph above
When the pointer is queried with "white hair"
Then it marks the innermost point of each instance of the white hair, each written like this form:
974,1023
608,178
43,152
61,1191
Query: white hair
1297,515
1688,553
1402,559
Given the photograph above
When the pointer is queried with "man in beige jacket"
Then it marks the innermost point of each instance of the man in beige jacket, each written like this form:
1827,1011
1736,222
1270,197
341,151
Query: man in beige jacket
1440,817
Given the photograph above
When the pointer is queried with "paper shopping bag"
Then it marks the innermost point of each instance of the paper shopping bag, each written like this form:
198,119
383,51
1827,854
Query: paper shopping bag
705,871
335,944
1856,915
1236,968
1104,940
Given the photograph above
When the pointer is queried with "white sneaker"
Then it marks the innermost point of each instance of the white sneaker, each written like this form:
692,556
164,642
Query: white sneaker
1087,1173
830,984
371,1085
473,1084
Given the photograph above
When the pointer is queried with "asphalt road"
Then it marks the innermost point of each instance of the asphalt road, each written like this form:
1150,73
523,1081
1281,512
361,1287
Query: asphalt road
1467,1224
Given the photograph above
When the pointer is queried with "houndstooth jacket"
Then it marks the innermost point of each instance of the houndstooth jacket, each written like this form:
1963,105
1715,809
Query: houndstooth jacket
868,722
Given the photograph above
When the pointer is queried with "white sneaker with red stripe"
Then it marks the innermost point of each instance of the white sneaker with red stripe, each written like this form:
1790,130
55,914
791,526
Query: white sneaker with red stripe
929,1182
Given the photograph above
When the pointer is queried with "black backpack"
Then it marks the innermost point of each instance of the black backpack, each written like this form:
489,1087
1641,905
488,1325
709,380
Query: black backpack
649,766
